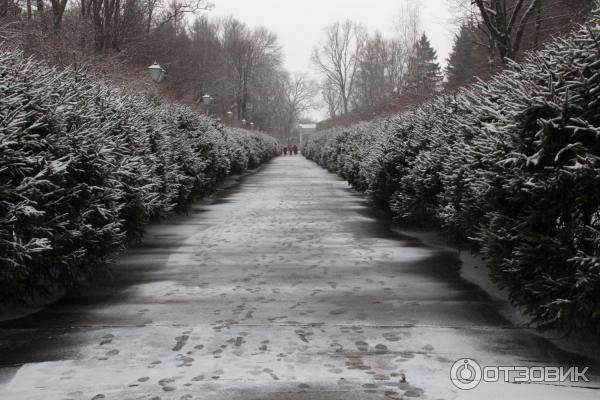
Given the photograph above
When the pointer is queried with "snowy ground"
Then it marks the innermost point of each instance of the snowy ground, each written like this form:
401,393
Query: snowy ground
287,287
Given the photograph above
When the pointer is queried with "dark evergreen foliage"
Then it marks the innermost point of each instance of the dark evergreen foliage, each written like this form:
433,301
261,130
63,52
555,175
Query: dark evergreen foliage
84,165
424,74
461,68
510,168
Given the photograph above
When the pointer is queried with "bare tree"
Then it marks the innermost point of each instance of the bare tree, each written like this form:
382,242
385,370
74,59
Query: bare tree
382,68
177,9
105,15
239,66
299,91
331,97
150,11
503,29
506,21
337,57
246,53
58,10
408,24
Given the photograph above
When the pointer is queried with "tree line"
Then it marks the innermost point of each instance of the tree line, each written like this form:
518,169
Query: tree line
362,74
239,66
508,167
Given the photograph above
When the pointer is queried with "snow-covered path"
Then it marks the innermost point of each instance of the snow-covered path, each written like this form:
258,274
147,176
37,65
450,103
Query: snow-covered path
287,287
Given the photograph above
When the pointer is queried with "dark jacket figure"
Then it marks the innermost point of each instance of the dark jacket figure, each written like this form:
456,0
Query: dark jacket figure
295,148
290,149
285,151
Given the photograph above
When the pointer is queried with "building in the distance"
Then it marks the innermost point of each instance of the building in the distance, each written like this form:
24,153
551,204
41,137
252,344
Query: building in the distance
304,130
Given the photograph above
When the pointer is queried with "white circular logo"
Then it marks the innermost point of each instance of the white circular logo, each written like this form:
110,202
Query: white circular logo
465,374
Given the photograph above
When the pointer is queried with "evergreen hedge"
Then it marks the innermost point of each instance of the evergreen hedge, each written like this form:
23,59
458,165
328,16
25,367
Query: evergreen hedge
510,167
84,165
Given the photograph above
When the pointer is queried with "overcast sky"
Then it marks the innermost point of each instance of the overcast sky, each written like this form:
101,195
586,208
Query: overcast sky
299,24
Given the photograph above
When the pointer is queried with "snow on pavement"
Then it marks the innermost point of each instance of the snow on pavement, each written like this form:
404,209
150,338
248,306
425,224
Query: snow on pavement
286,286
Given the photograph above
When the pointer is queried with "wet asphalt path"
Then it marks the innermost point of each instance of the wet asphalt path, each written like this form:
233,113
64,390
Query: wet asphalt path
287,286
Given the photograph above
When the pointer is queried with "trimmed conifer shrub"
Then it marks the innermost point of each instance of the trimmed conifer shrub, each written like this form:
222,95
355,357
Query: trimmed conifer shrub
510,168
85,165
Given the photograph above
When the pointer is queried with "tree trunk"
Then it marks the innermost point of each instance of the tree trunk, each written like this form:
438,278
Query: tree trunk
116,36
96,8
149,19
238,102
58,10
41,14
56,20
107,20
508,33
492,55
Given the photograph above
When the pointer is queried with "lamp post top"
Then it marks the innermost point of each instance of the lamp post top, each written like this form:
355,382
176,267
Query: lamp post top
157,73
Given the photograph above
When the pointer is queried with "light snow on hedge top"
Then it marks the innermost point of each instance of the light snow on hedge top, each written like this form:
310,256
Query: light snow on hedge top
510,167
84,165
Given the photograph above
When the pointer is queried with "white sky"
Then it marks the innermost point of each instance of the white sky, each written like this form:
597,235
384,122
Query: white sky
299,24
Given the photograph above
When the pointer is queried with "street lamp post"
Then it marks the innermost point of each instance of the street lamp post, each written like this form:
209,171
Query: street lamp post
230,115
251,125
206,99
157,73
244,122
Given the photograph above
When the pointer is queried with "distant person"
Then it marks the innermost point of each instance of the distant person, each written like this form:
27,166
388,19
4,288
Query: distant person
290,149
295,148
285,151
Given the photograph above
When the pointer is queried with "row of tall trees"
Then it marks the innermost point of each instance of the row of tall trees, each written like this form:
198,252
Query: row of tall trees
369,73
360,71
238,65
111,23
